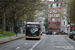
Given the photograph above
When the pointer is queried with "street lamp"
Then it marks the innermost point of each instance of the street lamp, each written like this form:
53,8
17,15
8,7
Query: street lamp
10,30
70,15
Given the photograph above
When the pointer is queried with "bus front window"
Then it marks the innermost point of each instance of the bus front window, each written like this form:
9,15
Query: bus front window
32,30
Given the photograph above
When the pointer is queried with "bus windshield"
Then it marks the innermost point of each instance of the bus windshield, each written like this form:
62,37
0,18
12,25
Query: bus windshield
28,26
32,30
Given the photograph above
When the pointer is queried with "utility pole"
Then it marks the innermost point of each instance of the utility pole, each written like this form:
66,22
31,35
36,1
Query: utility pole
10,30
46,16
70,15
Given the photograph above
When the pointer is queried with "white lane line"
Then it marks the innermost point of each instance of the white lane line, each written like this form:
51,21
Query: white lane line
37,43
10,44
17,47
66,41
64,47
25,43
70,39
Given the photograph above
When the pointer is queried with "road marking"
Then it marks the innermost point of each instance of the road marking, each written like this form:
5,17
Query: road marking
25,43
37,43
70,39
41,36
69,47
17,47
64,47
66,41
10,44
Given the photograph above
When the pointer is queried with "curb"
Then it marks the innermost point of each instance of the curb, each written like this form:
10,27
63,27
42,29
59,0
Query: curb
70,40
12,40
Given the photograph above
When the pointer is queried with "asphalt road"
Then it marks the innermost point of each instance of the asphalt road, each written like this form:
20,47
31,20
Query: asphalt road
47,42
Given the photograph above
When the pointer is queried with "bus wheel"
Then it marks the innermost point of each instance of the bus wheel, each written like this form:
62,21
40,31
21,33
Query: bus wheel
41,34
39,38
26,38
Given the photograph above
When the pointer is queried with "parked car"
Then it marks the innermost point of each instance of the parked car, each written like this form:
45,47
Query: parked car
54,33
43,32
49,32
71,34
63,33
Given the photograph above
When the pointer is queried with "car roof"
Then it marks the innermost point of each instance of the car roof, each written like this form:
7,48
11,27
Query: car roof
73,31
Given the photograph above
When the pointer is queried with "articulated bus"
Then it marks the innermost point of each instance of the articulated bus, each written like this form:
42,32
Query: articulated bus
33,30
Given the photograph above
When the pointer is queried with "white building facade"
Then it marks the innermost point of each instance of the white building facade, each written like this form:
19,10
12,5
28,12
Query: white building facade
62,11
64,24
41,20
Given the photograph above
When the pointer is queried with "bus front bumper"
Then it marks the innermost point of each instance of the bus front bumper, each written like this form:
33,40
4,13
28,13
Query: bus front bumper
32,37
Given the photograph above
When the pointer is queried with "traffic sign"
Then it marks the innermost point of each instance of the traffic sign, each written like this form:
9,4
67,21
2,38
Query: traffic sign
72,26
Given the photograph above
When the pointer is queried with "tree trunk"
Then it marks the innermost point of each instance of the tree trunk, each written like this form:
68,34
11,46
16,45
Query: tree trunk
3,22
12,24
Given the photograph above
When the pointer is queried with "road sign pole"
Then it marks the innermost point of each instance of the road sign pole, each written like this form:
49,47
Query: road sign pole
10,31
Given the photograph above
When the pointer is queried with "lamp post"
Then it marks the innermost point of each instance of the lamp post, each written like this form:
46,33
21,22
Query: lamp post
70,15
46,16
10,30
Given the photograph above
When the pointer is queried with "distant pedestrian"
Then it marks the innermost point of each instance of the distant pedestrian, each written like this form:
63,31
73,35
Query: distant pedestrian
57,30
16,33
47,32
62,32
23,31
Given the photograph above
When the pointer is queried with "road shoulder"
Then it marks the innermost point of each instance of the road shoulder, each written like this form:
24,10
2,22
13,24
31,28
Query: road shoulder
7,39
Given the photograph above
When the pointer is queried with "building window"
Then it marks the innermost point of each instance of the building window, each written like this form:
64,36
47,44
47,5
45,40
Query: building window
61,4
54,11
54,15
49,15
53,19
54,5
64,12
57,4
58,20
51,5
54,24
58,10
49,24
64,22
50,11
57,15
49,20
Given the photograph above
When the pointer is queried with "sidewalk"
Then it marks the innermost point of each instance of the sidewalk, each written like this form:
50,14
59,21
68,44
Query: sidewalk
4,39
